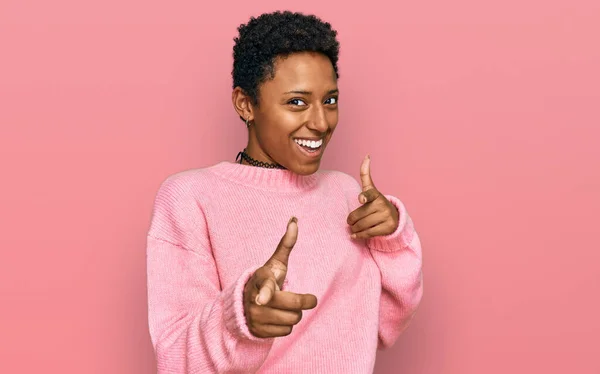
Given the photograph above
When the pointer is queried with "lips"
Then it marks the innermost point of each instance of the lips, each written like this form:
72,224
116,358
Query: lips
310,148
309,143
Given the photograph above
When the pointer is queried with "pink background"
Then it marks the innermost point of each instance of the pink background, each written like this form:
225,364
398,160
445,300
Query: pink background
483,117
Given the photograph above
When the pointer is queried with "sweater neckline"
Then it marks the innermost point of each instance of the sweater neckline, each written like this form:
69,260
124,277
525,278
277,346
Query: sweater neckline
264,178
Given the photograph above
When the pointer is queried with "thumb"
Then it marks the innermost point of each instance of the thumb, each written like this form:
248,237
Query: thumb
286,244
266,291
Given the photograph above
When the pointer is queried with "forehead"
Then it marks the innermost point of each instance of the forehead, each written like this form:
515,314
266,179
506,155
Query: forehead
307,70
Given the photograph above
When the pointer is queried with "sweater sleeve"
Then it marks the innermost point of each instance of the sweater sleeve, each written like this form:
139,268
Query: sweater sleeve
195,326
399,259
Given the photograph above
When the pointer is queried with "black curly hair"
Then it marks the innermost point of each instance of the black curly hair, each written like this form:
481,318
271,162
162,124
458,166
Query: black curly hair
273,35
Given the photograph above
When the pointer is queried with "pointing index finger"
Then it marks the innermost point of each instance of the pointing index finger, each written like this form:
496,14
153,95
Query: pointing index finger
293,301
286,244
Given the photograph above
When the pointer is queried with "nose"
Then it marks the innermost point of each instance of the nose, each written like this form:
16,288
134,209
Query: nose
318,119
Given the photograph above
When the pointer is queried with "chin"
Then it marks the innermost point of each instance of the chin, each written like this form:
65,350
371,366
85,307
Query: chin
306,169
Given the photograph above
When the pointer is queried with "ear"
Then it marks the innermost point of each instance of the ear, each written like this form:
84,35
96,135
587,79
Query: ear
242,104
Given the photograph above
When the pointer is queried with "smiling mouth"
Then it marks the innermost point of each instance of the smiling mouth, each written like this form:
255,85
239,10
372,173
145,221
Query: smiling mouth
309,145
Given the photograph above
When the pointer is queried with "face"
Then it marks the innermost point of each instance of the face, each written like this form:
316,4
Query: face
296,114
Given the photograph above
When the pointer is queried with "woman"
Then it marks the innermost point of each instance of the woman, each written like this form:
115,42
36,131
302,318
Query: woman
231,288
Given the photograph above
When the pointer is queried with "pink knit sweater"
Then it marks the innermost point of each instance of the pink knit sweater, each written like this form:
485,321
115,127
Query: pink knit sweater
212,227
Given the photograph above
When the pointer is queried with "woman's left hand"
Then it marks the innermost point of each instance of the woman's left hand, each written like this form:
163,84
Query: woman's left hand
377,216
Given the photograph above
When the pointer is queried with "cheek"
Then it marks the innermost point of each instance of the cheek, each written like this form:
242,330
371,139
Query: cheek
273,123
276,128
332,119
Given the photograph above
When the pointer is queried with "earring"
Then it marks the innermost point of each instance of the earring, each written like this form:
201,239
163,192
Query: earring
247,123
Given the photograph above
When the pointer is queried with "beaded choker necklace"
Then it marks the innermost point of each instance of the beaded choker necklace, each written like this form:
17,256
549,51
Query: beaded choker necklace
243,155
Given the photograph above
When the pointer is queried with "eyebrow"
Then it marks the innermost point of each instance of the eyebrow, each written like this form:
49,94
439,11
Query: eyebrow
301,92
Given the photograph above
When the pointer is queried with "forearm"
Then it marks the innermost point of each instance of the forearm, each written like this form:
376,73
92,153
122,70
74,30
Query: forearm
399,258
195,327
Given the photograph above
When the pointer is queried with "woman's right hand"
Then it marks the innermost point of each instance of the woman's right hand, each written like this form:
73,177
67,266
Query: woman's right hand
269,311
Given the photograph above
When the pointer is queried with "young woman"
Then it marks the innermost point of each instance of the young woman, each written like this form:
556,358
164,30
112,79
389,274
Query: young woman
269,264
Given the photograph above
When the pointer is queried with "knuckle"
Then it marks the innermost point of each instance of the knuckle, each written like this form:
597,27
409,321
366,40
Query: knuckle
296,302
272,279
287,331
391,224
248,284
264,272
248,288
253,330
253,312
256,276
249,293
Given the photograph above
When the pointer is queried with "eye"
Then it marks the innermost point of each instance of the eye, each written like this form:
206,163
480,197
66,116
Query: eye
296,102
331,101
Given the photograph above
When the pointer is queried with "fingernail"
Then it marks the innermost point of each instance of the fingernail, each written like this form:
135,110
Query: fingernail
257,300
363,199
293,219
353,236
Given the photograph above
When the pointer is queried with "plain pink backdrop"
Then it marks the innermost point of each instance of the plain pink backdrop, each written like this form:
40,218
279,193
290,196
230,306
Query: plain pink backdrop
483,117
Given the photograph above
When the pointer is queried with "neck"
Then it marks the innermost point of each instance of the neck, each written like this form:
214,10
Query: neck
275,180
245,159
255,152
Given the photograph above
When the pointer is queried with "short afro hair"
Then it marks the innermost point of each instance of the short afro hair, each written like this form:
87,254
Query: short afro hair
273,35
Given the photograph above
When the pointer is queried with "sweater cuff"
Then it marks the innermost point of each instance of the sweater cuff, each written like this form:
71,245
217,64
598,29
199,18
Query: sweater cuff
233,309
400,238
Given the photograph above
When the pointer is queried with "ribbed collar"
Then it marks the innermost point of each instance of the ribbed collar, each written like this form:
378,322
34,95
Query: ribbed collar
264,178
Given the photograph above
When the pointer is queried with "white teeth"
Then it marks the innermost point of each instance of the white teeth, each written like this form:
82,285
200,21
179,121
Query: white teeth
309,143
